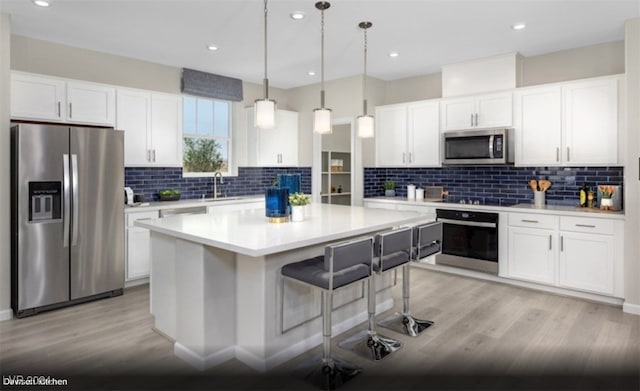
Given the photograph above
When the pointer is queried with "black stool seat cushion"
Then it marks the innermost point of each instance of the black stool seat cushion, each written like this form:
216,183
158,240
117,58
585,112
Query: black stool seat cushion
312,272
390,261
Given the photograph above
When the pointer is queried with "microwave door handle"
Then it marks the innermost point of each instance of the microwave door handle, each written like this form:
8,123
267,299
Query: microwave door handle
491,147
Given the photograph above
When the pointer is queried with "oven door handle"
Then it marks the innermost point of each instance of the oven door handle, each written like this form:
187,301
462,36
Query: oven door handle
470,223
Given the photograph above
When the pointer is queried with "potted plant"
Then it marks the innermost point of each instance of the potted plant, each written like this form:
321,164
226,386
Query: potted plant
607,192
297,202
389,188
169,195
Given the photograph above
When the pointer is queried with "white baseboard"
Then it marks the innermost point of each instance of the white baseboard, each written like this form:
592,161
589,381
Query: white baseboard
6,315
139,281
202,363
631,308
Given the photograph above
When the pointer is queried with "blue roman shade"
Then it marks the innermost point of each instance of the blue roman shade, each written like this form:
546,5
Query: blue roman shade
211,86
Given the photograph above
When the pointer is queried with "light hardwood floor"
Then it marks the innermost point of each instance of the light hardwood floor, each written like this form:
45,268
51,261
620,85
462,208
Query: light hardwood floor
486,335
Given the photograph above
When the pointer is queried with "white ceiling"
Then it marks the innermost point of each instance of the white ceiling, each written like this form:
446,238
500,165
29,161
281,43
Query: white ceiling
427,33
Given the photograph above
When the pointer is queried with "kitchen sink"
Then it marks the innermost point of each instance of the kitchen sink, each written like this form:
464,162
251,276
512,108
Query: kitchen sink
220,199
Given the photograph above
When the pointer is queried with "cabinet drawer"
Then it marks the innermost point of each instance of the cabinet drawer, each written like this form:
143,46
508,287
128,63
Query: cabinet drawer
132,217
585,224
533,220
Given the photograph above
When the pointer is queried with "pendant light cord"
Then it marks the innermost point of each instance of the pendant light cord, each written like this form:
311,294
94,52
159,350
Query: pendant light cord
364,82
322,60
266,81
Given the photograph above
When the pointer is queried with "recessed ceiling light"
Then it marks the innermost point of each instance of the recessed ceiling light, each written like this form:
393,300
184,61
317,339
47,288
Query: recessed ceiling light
213,48
42,3
518,26
311,73
297,15
394,54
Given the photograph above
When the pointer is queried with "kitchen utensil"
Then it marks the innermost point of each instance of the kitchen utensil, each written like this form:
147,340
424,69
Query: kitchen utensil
533,184
544,184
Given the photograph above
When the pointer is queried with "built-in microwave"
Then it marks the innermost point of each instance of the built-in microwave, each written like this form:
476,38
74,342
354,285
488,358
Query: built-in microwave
489,146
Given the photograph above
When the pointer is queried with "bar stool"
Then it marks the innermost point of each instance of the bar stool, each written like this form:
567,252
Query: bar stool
424,240
342,265
391,249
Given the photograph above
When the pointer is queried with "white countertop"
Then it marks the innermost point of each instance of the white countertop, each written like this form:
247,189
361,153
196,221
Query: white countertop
566,210
248,231
159,205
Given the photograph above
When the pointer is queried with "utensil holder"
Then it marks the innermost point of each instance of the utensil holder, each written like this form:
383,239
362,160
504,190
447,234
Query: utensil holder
539,199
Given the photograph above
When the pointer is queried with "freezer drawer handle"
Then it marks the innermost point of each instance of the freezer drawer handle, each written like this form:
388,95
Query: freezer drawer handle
67,199
74,179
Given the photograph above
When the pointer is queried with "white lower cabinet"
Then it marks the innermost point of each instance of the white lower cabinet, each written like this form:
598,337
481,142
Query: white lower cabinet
532,255
565,251
138,253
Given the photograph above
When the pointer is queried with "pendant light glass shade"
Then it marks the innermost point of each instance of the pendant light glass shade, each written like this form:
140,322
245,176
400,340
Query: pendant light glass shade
365,121
322,116
365,126
265,109
322,121
265,114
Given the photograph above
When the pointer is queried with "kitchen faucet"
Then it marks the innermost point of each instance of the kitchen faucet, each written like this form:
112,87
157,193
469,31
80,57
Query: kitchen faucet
215,183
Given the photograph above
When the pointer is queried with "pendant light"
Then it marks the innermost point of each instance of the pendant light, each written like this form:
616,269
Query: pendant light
322,116
265,109
365,121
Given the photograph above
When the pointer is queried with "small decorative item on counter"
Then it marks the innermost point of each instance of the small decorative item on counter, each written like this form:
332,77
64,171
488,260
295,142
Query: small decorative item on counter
389,188
298,201
590,197
169,195
539,188
419,194
411,192
583,195
606,202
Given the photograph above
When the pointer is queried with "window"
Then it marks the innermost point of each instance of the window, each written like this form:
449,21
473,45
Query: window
206,132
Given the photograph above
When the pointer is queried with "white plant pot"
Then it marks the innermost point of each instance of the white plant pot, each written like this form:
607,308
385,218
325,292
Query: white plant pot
297,213
606,203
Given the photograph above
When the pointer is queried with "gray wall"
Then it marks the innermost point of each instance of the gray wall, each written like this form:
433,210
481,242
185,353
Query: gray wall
5,203
631,172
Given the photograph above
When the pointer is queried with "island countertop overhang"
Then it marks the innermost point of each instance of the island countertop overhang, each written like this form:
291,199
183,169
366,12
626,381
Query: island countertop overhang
248,232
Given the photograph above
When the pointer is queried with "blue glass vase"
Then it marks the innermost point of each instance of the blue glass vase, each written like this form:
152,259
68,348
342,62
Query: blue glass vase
289,181
276,204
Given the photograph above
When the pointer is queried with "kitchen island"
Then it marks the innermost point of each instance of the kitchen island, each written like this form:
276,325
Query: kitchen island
215,282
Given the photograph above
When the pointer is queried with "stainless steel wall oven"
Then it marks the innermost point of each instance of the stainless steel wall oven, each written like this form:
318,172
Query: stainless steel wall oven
469,239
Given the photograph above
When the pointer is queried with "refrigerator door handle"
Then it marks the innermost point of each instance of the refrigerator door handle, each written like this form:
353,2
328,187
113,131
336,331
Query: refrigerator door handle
67,199
74,178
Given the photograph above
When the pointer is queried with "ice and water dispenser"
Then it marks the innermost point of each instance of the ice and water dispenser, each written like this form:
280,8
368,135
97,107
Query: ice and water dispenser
45,201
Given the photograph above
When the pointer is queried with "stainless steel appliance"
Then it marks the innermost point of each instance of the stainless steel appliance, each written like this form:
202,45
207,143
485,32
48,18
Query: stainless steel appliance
489,146
469,239
67,221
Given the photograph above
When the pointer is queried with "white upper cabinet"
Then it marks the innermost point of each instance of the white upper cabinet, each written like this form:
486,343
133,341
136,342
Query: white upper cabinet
477,112
408,134
538,126
37,97
59,100
152,124
91,103
590,120
567,123
273,147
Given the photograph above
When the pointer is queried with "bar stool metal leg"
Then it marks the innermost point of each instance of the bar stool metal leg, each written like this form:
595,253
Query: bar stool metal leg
369,342
412,326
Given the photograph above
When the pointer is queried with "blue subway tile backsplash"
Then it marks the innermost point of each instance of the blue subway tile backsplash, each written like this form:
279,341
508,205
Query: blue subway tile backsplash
499,185
250,181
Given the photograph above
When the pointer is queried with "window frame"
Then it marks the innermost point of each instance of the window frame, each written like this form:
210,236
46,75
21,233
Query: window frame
228,139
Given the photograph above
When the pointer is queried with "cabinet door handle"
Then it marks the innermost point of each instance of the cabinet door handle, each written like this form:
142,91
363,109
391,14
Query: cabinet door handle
561,243
404,157
154,155
568,155
476,119
530,221
585,225
410,158
70,110
550,240
148,155
58,109
557,154
471,122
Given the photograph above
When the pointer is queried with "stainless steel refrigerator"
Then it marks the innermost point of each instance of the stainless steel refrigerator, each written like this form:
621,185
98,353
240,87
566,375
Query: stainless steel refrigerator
67,218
